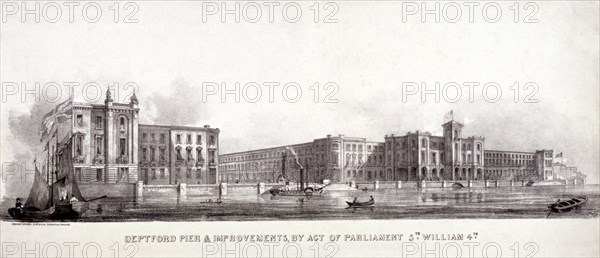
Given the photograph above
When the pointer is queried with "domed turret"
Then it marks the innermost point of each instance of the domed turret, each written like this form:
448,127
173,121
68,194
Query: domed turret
108,101
133,101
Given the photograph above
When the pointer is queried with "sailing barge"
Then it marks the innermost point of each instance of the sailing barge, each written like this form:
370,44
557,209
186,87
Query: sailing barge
60,201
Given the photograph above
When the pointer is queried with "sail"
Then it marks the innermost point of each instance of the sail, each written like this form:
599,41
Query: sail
38,196
66,186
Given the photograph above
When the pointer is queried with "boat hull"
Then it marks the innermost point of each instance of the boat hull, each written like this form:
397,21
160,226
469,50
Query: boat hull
58,212
566,206
360,204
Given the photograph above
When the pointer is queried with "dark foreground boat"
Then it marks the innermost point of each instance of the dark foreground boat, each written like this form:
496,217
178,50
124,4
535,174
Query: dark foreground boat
357,204
566,206
457,186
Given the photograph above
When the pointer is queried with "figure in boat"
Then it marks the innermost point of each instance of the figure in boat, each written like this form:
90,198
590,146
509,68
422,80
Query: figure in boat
18,204
568,205
356,204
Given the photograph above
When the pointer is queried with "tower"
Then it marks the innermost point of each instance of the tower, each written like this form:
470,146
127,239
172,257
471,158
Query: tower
452,135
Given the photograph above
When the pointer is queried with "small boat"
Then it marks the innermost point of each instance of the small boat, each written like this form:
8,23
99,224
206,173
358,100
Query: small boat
308,191
530,183
365,189
565,206
210,201
357,204
457,186
30,214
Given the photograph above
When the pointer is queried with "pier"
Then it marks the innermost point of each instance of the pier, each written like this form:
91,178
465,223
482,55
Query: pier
225,189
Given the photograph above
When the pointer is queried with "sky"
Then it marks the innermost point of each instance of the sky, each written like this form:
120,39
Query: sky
361,62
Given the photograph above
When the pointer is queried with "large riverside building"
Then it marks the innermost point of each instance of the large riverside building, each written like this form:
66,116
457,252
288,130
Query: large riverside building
111,147
410,157
178,154
518,165
338,158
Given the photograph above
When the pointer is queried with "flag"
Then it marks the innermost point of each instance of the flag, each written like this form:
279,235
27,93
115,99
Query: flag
64,111
449,116
61,113
47,126
559,155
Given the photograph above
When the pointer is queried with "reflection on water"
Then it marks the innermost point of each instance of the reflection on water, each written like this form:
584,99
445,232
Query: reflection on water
527,202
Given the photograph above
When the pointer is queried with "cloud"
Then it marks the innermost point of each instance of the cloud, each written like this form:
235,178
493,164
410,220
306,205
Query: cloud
178,104
24,127
24,146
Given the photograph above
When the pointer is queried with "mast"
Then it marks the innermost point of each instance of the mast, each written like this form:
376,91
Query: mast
50,170
301,179
283,157
307,173
48,162
55,158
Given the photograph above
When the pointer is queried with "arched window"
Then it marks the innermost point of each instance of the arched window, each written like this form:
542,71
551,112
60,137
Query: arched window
122,123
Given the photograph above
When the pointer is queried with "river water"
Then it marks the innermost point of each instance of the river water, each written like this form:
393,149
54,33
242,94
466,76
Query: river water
434,203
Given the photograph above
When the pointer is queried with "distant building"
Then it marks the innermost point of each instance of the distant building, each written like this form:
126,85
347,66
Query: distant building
516,165
335,157
410,157
564,172
111,147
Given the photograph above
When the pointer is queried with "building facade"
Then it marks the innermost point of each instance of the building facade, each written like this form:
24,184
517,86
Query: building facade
111,147
105,139
338,158
516,165
410,157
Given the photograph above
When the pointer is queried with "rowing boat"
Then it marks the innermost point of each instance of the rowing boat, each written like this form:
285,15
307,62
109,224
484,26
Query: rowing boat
565,206
357,204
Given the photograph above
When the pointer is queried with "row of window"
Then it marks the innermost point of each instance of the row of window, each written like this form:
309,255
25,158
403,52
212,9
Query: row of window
162,173
99,122
99,145
153,175
162,138
162,154
509,155
190,157
509,161
122,175
188,139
